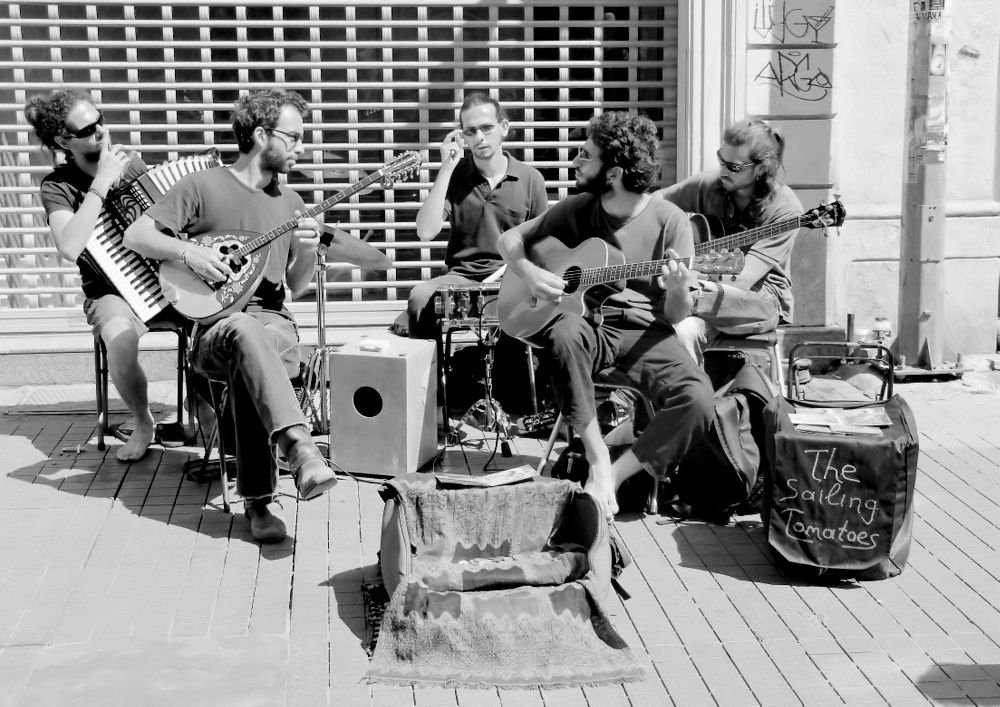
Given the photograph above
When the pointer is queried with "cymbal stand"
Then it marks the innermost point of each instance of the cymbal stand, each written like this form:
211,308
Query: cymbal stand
316,380
494,417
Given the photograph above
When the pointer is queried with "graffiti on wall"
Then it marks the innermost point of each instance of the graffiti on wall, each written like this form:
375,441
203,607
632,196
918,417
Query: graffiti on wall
791,22
790,81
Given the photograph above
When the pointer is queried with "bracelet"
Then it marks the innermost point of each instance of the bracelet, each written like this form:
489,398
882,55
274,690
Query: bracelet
184,254
101,196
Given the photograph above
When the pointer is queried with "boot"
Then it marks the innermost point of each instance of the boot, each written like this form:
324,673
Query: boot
312,475
265,526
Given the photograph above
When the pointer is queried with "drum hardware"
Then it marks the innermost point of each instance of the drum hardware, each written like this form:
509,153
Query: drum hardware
315,396
472,308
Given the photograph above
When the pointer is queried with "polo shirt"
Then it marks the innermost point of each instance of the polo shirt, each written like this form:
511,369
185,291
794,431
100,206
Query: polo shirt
478,214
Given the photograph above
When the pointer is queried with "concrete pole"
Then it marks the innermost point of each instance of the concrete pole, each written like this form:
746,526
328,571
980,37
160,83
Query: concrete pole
922,239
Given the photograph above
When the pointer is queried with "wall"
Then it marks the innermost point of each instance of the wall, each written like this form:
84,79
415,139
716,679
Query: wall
869,143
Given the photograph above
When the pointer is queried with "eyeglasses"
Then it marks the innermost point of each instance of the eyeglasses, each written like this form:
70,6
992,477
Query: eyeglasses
87,130
294,137
732,166
582,156
485,129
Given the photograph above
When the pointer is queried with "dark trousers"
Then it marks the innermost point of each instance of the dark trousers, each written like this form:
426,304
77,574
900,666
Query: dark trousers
654,361
256,353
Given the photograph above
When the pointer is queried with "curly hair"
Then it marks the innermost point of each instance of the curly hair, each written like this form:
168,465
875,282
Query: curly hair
767,148
47,114
262,109
630,142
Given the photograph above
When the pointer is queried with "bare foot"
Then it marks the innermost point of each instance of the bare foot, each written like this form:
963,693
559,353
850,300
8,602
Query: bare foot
601,485
138,442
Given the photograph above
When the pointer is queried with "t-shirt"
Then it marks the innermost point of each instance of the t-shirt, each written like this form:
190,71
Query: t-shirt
64,189
703,194
215,200
642,238
478,215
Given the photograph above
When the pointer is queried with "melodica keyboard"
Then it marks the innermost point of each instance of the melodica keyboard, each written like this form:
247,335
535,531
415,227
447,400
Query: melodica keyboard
132,275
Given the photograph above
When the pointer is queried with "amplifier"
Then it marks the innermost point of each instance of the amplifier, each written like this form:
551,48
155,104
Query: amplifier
383,405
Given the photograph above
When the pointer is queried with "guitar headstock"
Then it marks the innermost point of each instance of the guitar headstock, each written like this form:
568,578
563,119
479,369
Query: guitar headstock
401,168
825,216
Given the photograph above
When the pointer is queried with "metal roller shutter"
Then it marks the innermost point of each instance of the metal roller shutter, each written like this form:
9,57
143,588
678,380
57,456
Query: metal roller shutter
380,77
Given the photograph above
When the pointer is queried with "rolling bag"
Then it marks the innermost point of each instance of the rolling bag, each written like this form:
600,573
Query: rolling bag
840,499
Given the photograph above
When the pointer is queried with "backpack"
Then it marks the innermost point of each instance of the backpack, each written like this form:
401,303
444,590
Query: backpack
723,475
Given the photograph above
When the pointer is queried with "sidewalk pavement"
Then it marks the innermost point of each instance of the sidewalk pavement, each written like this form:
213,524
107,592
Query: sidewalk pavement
126,584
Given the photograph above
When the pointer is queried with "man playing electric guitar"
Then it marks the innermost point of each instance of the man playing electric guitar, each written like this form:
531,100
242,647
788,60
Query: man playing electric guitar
614,167
742,193
256,350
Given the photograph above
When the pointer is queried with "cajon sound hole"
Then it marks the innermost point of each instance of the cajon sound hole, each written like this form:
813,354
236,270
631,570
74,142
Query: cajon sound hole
367,401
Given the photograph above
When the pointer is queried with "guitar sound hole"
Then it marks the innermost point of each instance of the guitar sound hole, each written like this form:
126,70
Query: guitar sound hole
236,265
572,278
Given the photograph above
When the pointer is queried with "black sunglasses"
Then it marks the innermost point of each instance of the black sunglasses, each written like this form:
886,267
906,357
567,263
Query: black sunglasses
733,166
87,130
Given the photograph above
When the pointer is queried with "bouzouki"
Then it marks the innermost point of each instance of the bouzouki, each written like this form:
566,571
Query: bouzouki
207,302
595,270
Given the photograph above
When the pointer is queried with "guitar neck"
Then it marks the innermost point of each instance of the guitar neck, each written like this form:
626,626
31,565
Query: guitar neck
738,240
265,238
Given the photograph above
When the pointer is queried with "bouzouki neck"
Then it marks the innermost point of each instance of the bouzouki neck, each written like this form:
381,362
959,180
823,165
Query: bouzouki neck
281,229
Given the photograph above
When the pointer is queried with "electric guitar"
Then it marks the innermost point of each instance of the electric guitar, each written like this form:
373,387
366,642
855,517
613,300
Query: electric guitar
207,302
595,270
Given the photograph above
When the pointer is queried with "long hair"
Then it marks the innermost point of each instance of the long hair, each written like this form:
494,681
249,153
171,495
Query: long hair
262,109
767,148
47,114
630,142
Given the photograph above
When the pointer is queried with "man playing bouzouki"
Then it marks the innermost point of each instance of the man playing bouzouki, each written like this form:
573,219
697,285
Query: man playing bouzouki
743,193
614,167
255,350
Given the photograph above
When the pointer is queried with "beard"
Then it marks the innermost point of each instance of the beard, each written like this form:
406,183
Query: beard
273,161
596,185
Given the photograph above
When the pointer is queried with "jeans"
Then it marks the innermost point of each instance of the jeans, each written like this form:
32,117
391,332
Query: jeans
655,362
257,352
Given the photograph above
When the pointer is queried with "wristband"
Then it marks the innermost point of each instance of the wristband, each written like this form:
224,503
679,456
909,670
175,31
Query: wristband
184,254
101,196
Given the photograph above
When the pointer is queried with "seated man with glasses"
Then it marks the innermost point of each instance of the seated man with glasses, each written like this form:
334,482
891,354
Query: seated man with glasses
255,350
69,125
743,193
481,194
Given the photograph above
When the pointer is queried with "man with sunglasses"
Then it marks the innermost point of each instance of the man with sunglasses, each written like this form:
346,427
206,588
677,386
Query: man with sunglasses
481,195
743,193
256,350
68,124
614,168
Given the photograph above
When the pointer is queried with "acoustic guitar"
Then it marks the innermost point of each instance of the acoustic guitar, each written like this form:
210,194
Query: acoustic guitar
206,302
595,270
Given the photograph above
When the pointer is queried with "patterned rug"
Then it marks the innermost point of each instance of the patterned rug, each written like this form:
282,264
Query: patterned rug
488,605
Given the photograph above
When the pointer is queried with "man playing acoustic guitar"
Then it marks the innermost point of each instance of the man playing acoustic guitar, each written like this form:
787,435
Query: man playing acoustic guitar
743,193
614,167
257,349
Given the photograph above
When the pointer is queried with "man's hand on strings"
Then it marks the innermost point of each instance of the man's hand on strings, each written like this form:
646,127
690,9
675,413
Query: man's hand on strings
207,263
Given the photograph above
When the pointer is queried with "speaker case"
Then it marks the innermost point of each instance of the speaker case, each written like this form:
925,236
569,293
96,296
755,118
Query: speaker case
402,436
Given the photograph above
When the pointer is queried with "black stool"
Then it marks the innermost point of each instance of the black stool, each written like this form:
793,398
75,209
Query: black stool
101,376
